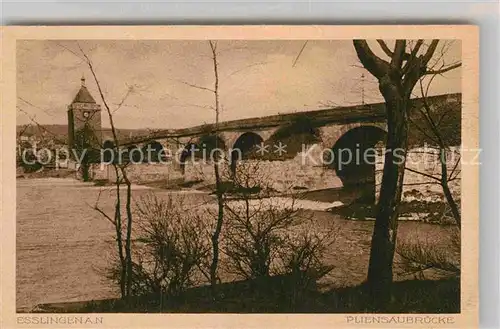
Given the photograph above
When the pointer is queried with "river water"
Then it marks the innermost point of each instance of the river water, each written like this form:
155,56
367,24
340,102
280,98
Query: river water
62,244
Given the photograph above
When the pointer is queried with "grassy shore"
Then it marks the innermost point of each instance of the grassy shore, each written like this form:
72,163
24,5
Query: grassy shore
275,296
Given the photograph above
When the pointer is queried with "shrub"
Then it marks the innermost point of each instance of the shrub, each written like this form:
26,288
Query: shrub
171,249
418,255
28,162
269,236
252,237
303,256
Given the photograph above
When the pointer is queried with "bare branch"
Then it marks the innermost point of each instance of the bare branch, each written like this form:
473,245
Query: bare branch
422,131
424,95
99,210
399,53
412,59
423,174
422,183
184,104
108,109
415,49
430,52
246,67
454,168
385,48
300,53
443,115
206,107
37,107
130,89
25,127
375,65
32,119
426,112
444,49
126,261
443,70
71,51
194,86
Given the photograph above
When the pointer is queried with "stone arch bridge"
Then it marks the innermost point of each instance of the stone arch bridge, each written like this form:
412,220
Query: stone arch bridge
331,124
353,127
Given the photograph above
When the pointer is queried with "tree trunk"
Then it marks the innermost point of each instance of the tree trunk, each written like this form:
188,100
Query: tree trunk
446,188
128,241
386,223
85,172
218,227
397,78
218,181
119,239
119,242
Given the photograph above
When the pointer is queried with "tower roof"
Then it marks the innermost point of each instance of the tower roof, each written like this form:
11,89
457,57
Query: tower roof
83,95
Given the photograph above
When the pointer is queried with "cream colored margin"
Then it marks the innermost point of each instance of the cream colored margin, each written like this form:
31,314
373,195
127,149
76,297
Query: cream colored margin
470,173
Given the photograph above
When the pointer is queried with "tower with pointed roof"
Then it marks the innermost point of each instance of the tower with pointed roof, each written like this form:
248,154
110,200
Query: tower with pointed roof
84,114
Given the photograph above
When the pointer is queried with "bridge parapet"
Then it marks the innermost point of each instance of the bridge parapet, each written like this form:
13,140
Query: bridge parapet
328,119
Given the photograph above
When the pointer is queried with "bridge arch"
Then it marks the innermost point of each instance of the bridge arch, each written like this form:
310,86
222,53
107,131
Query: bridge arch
247,142
243,147
153,151
135,154
210,142
201,148
353,158
296,136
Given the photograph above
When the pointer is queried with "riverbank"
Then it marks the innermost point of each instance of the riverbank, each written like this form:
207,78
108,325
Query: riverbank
63,245
268,296
46,173
337,201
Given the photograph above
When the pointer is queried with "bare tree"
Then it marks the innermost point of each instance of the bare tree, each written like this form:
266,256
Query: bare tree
85,146
47,139
418,255
435,133
172,250
254,222
218,183
407,63
124,244
23,130
219,191
269,240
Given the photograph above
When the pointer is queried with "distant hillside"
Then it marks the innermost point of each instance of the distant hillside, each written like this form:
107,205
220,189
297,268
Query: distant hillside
60,132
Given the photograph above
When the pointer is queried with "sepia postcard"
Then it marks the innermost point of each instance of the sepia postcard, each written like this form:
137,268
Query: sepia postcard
239,177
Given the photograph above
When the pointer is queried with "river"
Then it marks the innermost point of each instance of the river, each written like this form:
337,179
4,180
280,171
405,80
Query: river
63,245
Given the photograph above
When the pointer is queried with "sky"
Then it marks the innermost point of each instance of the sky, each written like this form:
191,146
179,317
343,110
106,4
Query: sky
153,80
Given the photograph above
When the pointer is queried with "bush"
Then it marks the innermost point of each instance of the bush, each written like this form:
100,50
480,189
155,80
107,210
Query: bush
252,237
302,256
172,249
418,255
29,163
269,236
